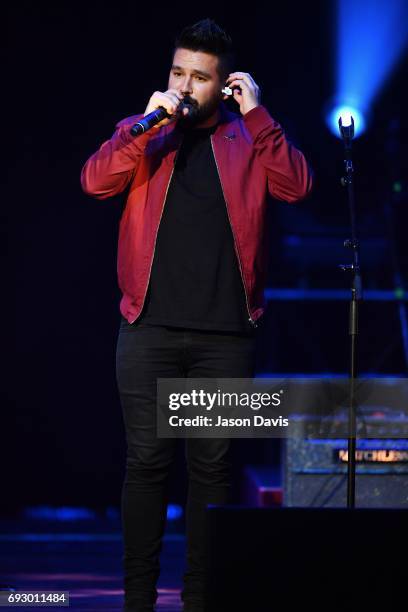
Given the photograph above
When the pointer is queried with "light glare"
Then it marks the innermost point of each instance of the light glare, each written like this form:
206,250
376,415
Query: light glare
346,112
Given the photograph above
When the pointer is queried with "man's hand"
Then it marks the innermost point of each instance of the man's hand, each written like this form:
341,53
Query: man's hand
248,96
170,100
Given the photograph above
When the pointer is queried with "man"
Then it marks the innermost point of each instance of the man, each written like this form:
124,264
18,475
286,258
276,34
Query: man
191,266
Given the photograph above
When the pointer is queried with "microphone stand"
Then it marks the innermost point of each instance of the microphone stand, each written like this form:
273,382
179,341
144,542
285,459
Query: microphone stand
347,134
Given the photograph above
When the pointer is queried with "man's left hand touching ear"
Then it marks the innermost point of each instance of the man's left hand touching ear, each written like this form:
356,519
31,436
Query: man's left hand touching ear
248,96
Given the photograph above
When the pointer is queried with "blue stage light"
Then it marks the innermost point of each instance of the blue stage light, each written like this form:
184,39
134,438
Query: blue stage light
174,512
371,38
346,112
60,514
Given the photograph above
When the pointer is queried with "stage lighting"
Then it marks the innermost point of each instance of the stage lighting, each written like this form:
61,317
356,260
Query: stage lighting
372,36
346,112
346,118
174,512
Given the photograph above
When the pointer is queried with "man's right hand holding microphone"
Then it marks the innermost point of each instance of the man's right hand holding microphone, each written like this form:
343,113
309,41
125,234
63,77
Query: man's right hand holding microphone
170,100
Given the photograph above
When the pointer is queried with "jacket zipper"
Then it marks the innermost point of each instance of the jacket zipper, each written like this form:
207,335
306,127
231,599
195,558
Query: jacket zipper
157,231
250,319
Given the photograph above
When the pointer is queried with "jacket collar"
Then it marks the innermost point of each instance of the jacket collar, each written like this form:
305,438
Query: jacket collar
225,130
225,120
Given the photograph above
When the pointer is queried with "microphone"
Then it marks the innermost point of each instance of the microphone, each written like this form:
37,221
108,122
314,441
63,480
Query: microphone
149,121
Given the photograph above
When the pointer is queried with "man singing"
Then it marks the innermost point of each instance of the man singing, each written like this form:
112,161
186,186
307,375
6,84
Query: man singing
191,268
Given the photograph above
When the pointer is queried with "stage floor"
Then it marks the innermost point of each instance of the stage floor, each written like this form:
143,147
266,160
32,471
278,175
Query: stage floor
85,562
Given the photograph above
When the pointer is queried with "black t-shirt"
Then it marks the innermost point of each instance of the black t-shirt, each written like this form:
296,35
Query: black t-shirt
195,279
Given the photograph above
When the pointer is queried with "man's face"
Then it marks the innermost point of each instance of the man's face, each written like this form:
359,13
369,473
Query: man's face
195,76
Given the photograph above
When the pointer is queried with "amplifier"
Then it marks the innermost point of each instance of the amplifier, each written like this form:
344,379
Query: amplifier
315,473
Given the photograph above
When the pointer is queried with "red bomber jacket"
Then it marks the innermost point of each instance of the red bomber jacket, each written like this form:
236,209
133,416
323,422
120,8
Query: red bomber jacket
253,157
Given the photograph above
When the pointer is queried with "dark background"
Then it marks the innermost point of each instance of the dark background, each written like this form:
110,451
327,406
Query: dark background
74,71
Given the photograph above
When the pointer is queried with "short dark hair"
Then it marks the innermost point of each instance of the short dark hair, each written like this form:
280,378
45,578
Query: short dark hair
208,37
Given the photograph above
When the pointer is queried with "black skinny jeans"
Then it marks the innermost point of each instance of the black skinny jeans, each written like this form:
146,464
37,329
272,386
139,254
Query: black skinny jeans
145,353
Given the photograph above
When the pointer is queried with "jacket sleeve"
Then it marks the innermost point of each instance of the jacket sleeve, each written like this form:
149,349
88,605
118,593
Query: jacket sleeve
108,171
289,175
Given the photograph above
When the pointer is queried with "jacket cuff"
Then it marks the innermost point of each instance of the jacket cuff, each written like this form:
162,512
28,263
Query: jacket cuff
258,119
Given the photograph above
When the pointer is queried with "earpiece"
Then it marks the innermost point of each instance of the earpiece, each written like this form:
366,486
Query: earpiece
227,90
